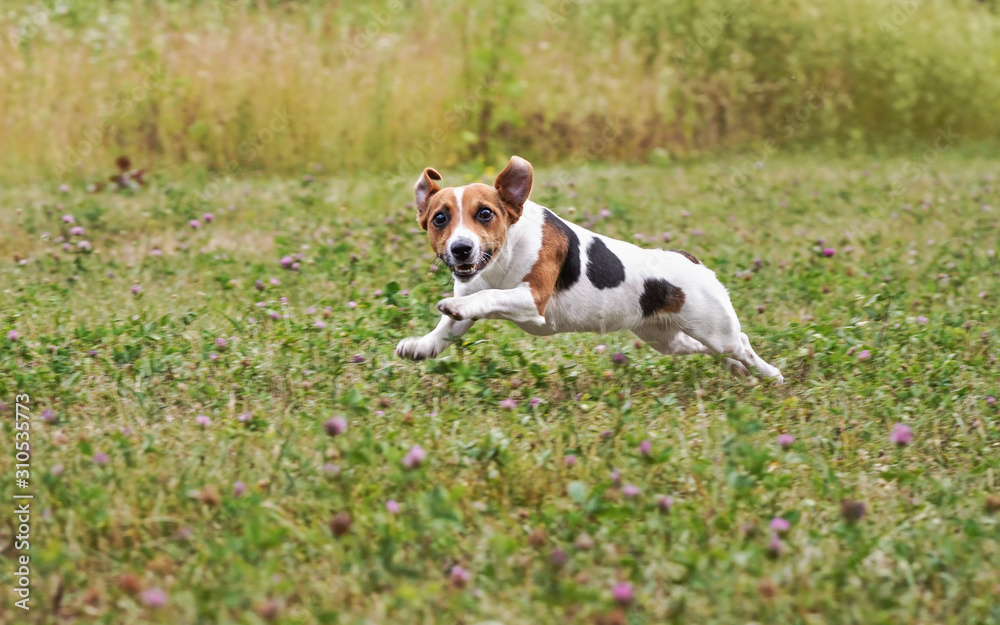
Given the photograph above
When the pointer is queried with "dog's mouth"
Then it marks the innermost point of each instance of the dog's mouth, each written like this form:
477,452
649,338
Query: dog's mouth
467,270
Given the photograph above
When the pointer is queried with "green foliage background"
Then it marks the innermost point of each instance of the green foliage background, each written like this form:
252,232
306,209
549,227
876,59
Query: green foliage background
395,85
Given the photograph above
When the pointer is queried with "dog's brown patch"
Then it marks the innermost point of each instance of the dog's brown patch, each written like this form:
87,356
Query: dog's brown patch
688,255
659,296
558,264
543,275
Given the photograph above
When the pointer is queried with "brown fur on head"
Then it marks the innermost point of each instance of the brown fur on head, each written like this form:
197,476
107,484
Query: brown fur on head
477,214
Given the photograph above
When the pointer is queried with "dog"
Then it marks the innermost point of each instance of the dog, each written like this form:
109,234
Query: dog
513,259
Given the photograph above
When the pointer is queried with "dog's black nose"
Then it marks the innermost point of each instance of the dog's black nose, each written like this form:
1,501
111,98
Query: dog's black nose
461,249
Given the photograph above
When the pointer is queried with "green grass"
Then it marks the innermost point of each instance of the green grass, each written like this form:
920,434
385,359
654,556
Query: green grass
914,282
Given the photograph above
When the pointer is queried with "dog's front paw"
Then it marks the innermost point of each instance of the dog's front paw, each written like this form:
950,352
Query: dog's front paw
419,348
455,308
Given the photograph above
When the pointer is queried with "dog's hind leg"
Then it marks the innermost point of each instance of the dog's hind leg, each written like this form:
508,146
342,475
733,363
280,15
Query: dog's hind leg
763,366
679,343
674,343
737,345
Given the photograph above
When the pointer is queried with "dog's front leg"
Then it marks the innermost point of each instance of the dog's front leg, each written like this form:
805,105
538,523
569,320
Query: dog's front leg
517,304
432,344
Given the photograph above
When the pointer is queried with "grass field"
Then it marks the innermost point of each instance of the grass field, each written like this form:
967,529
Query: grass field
182,382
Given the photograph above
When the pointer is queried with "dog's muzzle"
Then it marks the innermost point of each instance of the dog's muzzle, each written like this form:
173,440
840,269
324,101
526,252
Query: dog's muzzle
467,268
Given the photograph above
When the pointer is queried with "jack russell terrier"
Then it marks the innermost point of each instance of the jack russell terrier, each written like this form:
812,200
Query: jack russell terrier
513,259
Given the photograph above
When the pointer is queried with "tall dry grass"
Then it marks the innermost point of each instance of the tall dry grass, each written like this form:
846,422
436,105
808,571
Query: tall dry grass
236,87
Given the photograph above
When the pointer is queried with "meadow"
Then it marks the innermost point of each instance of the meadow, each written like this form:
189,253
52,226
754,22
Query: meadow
222,434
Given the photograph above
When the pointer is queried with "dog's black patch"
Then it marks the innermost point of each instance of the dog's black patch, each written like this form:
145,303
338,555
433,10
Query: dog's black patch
569,273
604,269
658,295
688,255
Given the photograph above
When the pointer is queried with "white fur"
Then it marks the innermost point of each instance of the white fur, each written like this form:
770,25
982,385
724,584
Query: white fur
462,231
705,324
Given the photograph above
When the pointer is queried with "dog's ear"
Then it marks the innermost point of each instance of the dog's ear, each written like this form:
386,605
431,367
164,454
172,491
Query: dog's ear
514,185
422,191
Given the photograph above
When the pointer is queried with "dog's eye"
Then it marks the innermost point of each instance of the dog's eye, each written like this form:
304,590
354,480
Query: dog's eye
440,219
485,214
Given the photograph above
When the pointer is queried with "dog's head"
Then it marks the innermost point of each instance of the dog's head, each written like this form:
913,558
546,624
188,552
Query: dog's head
468,225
